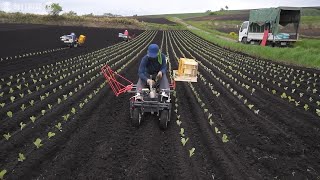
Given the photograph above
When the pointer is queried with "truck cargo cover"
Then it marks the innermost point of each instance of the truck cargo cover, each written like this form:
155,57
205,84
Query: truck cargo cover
275,16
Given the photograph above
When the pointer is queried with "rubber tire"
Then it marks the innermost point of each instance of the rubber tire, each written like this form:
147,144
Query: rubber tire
244,40
136,117
164,119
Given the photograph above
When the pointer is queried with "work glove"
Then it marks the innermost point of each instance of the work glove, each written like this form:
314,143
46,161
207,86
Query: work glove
150,82
159,76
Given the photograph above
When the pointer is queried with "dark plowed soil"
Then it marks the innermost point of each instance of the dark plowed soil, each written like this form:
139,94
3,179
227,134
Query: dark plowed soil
243,16
99,141
25,38
28,38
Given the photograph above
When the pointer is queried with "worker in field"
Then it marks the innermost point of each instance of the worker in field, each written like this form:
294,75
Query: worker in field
154,63
126,33
74,38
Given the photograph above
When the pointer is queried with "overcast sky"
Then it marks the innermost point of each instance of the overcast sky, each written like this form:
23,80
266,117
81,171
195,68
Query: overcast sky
146,7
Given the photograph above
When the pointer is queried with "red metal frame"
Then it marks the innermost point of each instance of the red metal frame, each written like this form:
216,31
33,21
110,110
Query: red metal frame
173,84
115,85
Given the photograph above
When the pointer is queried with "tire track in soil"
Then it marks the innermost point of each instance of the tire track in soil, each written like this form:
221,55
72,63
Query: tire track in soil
107,146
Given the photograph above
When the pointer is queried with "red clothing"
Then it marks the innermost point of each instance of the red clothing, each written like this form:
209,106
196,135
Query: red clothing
126,33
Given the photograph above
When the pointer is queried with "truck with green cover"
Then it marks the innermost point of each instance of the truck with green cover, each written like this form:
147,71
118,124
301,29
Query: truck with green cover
280,26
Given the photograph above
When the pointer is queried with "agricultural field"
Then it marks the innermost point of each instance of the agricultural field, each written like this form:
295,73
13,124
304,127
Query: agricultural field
245,118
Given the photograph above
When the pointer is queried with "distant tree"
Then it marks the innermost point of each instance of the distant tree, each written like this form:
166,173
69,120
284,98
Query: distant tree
89,15
208,11
226,7
108,15
221,9
70,13
212,13
135,15
54,9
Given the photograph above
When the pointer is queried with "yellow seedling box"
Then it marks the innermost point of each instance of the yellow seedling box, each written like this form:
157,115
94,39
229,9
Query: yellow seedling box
187,70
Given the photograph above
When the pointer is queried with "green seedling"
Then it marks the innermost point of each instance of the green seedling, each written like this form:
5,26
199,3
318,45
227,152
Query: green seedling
283,95
1,94
73,110
7,136
37,143
224,138
43,112
2,104
58,126
191,152
12,98
217,130
23,107
184,141
211,122
9,114
33,119
179,122
181,132
31,102
2,173
22,125
21,157
306,107
51,134
66,117
250,106
318,112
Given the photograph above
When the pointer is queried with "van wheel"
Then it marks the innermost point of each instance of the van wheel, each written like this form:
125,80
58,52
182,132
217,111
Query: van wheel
244,40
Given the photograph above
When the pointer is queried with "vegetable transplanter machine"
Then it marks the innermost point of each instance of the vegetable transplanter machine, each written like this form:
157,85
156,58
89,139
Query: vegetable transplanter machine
151,99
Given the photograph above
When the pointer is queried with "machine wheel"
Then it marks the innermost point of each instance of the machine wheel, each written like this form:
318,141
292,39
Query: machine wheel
164,118
136,117
244,40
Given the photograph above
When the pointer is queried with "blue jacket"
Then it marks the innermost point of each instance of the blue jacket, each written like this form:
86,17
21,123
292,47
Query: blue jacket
151,66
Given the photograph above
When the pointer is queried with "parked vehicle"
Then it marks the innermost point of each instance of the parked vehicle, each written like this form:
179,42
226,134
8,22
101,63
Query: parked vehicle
279,26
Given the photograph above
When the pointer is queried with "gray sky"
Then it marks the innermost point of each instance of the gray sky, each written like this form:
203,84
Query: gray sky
145,7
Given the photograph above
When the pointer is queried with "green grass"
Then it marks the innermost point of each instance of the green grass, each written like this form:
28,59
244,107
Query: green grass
209,27
70,20
310,12
300,55
310,21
